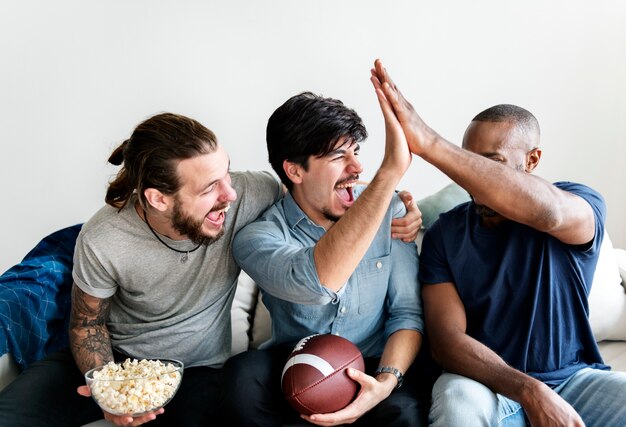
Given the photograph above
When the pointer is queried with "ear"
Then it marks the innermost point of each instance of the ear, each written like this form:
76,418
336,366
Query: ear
293,171
156,199
532,159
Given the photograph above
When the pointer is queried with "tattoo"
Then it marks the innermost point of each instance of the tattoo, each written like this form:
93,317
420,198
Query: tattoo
89,337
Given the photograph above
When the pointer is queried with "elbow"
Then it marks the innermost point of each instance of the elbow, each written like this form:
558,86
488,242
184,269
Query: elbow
548,220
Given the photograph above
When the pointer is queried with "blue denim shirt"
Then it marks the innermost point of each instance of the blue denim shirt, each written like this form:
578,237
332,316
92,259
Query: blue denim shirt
381,297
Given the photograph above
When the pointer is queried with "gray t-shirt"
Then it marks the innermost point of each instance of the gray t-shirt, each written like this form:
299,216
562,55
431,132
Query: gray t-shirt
162,308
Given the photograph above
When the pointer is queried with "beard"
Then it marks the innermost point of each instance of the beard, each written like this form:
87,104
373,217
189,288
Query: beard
329,216
191,227
483,211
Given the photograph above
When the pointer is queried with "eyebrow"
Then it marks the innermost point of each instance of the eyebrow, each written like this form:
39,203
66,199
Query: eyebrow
343,149
216,180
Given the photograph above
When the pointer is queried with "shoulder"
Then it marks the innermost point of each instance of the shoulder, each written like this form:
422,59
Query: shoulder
106,220
584,191
269,222
256,191
396,206
255,181
591,196
105,232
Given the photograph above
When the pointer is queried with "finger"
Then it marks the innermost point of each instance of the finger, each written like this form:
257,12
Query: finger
376,83
346,415
361,377
405,237
388,113
383,75
403,226
407,198
119,420
83,390
144,419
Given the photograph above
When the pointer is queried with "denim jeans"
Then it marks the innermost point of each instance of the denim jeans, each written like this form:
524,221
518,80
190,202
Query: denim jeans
598,396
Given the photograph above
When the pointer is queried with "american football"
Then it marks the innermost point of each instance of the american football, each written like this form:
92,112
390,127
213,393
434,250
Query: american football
315,381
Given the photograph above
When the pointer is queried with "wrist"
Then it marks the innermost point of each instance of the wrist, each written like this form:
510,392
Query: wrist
389,374
387,177
529,391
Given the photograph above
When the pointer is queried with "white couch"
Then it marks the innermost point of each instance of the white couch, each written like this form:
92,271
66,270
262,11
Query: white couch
251,321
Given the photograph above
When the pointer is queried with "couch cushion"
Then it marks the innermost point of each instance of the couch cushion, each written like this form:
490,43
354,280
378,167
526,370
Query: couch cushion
242,312
607,300
262,325
442,201
35,299
620,255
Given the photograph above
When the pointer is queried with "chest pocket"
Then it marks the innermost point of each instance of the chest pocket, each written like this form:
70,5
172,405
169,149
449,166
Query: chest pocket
373,278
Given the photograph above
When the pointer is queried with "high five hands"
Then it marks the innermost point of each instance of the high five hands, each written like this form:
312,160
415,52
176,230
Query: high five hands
419,136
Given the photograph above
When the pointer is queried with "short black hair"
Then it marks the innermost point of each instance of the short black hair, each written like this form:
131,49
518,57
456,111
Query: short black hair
510,113
309,125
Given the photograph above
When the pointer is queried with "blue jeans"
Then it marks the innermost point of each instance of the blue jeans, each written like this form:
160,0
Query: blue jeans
598,396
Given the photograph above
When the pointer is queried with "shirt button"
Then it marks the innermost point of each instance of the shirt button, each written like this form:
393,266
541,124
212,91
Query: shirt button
343,309
379,265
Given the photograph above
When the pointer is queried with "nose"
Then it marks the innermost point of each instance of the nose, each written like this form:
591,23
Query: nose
354,166
228,193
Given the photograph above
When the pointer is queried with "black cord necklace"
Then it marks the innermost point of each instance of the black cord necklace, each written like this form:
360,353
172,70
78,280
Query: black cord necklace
185,256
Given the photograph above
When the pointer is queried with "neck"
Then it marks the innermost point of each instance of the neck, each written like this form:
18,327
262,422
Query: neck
315,215
493,221
158,223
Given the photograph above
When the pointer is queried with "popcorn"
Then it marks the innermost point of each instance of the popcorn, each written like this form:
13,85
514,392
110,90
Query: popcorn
135,387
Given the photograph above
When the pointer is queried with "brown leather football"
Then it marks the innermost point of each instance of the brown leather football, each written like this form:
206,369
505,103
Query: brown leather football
315,380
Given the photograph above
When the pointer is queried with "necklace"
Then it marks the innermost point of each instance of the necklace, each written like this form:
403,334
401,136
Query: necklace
185,254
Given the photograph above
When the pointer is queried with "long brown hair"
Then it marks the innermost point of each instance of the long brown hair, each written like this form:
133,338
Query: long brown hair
150,156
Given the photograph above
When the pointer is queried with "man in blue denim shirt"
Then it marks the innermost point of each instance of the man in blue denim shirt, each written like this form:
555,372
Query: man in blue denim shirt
326,263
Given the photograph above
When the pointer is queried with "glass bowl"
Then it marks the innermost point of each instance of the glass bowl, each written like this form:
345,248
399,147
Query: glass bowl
135,387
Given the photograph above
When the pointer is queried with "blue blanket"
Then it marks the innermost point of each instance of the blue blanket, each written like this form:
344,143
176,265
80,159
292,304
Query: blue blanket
35,299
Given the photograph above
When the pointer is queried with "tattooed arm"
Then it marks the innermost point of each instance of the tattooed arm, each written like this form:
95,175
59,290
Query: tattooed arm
89,337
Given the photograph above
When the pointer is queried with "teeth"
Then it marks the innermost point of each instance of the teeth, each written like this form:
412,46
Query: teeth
346,185
226,208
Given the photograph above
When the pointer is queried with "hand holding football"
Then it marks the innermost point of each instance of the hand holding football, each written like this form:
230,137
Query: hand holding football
315,380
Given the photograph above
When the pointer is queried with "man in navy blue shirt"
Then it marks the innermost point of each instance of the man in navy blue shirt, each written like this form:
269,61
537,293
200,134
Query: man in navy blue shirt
506,279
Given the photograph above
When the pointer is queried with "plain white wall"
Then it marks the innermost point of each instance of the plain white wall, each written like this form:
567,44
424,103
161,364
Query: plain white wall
77,76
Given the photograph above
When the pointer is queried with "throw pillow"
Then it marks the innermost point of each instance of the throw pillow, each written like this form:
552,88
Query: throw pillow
442,201
607,300
35,299
620,255
242,310
262,326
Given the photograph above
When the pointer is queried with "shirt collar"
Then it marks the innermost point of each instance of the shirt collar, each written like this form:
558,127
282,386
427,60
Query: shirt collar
294,215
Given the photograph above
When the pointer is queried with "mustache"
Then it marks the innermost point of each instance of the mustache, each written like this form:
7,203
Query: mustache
350,178
219,207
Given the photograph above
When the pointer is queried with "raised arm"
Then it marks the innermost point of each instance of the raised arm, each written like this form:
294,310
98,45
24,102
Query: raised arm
512,193
351,236
459,353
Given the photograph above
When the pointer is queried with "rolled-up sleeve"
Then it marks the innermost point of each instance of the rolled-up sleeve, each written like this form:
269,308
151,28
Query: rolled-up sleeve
281,268
403,294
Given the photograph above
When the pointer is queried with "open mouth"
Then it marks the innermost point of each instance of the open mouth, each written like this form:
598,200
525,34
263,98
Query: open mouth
344,191
217,216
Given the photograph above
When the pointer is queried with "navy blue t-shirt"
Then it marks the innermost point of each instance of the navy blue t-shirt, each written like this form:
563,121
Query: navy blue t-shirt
525,292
